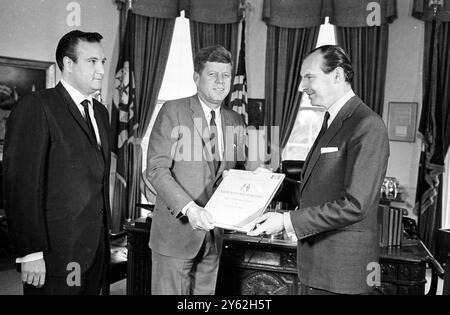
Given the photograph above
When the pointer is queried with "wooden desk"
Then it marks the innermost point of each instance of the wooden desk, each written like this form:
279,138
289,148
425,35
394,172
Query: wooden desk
139,275
251,265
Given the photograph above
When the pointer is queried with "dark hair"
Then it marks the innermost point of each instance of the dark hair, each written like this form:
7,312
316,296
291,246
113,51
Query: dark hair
68,43
334,56
212,54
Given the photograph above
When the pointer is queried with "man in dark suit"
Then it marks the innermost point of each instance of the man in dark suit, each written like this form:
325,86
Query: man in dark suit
336,220
194,140
56,164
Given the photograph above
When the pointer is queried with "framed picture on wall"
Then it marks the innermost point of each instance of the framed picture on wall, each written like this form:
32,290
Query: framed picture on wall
402,120
17,78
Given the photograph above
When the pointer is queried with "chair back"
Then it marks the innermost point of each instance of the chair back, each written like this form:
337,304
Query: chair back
292,168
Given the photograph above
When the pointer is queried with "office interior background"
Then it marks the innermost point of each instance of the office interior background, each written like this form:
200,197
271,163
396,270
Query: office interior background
32,28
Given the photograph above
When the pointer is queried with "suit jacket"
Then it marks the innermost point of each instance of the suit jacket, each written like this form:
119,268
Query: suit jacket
336,223
180,168
56,180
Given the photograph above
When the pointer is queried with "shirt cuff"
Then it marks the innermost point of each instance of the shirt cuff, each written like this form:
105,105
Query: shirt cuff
186,207
287,222
30,257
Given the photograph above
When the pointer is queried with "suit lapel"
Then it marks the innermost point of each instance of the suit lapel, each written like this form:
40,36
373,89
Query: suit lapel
345,112
101,130
75,112
73,109
200,123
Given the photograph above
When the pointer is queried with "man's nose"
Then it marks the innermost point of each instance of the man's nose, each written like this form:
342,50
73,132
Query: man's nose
100,69
302,87
219,79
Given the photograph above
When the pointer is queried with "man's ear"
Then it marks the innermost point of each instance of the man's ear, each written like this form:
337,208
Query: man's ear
196,78
68,64
339,74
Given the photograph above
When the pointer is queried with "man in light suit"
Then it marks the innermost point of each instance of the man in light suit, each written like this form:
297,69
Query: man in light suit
194,140
336,220
56,167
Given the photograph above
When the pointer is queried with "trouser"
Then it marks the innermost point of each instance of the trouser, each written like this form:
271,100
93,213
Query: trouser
197,276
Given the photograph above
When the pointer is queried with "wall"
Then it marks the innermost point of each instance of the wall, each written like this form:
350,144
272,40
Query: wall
31,29
404,84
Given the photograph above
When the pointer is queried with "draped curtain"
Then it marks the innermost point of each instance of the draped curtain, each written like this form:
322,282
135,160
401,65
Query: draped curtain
292,32
213,22
435,117
286,49
149,32
365,38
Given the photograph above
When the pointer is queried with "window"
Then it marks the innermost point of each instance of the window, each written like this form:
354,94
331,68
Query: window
309,118
178,79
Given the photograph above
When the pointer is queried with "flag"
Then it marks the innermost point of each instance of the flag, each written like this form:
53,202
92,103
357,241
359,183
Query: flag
238,101
123,129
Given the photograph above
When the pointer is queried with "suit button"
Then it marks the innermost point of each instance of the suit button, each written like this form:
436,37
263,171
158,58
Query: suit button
101,211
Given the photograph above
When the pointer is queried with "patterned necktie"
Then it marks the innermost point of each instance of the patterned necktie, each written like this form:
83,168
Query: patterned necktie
214,141
87,118
321,132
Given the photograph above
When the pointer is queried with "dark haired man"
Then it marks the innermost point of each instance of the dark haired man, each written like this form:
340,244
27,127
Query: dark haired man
56,164
336,220
188,152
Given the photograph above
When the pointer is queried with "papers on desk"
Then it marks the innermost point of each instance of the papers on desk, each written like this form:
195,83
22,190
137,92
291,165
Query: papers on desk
242,197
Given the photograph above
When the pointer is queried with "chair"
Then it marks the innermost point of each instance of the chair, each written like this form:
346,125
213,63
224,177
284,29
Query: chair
119,260
292,168
443,255
442,259
446,288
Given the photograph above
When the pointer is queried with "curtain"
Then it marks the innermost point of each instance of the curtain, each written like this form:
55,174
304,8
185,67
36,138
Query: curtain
214,22
367,48
362,30
285,51
147,41
434,126
204,34
292,31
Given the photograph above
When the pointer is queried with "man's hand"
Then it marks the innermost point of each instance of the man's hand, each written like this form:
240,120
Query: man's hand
272,224
262,169
199,218
33,272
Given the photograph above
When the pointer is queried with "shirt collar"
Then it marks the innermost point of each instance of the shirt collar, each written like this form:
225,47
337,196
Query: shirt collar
336,107
207,110
76,96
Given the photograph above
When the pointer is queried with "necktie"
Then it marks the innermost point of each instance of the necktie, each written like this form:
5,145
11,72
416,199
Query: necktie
87,118
214,140
321,132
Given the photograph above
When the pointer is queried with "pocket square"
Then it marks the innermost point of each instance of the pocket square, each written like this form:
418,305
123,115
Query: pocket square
328,150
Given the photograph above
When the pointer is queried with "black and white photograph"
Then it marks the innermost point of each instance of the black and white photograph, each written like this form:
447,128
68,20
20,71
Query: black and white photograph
120,121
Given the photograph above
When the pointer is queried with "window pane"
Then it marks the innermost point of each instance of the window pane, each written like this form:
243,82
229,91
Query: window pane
178,78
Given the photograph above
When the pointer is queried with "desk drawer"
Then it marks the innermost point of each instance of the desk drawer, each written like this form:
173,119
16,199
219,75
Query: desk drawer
388,271
411,272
